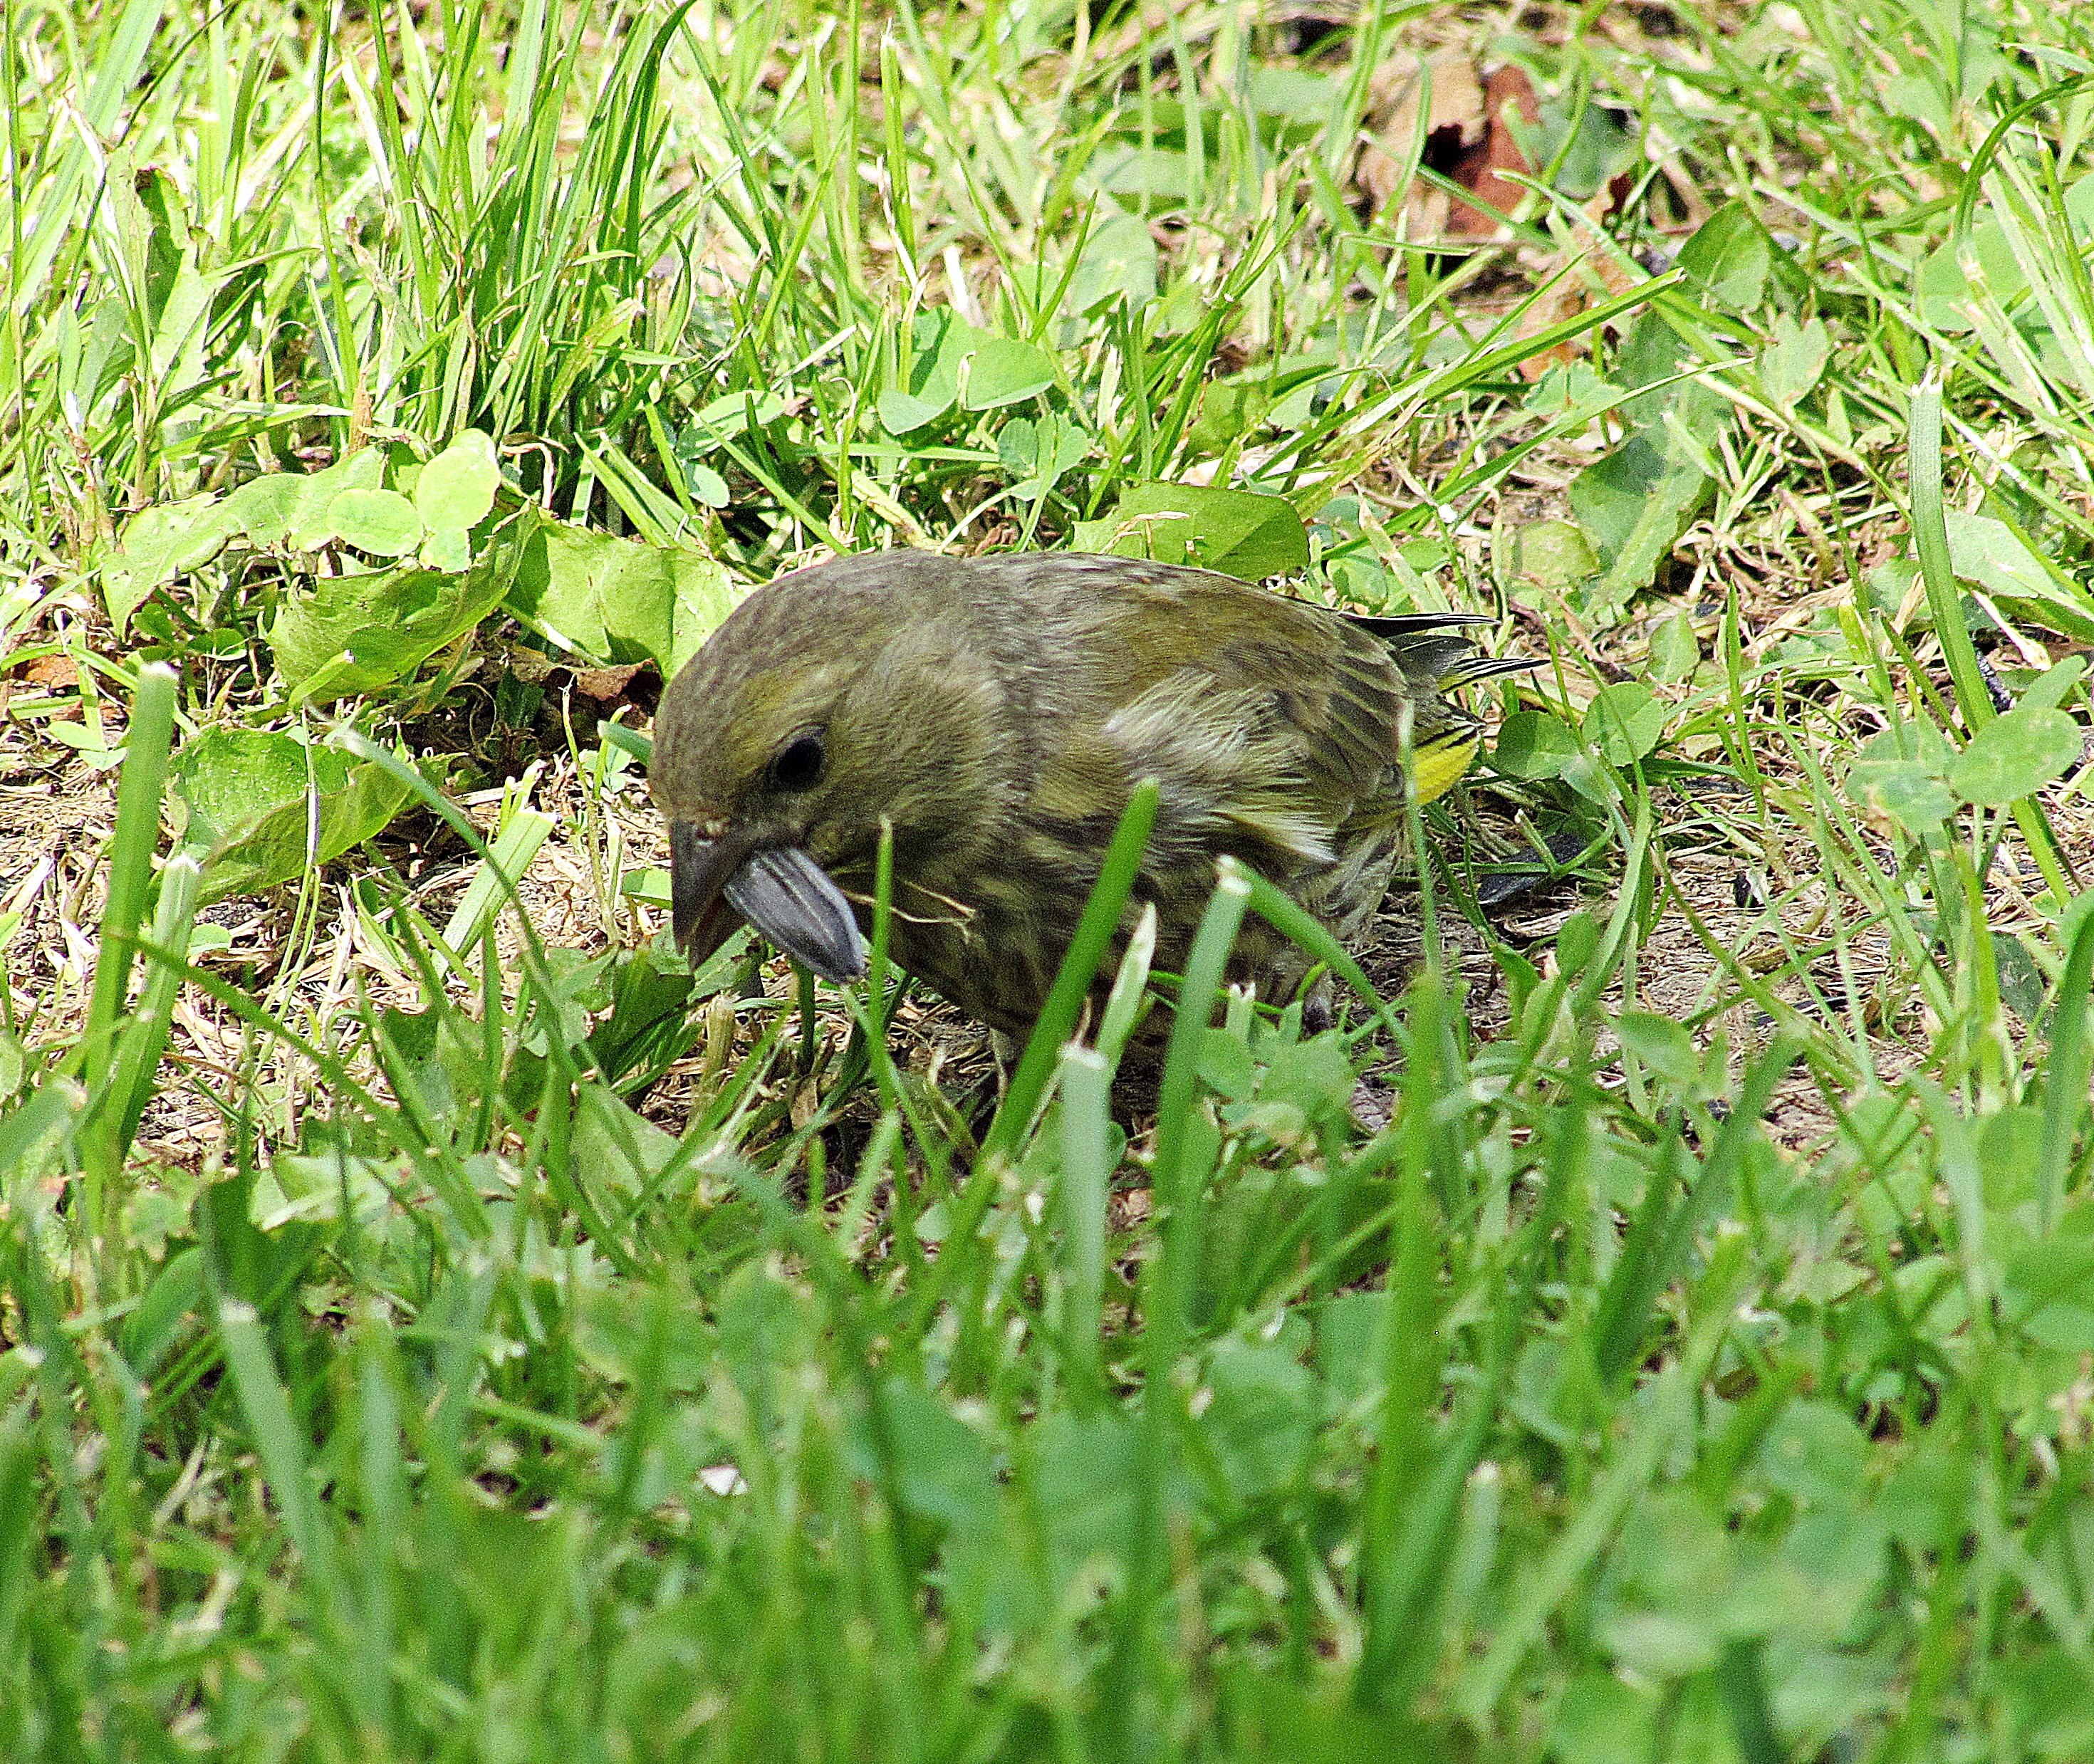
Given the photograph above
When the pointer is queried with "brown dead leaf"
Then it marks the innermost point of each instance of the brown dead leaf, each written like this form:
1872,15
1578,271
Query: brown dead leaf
606,684
55,671
1565,301
1401,88
603,685
1486,168
1467,138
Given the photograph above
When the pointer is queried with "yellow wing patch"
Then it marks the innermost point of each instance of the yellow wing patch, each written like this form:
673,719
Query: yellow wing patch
1437,765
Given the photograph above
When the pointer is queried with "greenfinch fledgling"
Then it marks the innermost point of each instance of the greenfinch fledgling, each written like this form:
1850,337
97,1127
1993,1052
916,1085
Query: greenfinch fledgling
998,712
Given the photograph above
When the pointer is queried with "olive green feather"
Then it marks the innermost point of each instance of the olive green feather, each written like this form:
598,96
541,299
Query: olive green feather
997,713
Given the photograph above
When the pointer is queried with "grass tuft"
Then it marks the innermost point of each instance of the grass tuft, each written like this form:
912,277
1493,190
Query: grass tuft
1653,1321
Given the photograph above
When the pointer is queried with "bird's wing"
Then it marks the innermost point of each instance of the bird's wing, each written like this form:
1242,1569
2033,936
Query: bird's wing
1235,771
1274,725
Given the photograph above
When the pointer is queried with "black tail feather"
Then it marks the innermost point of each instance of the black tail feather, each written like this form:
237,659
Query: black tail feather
1479,667
1427,645
1397,627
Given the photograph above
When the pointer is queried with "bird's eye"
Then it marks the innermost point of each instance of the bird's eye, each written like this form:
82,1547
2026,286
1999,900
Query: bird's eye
798,763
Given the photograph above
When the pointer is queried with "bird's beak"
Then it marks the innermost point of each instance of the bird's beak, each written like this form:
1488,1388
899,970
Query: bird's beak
780,892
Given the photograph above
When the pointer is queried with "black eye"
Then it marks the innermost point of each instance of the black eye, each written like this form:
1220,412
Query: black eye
798,764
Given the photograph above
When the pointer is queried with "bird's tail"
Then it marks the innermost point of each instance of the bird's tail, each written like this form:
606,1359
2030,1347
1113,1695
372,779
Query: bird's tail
1436,659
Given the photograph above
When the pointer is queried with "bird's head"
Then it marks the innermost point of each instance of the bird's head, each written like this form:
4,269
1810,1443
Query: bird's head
822,709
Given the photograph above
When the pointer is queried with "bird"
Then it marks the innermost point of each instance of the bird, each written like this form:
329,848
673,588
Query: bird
997,713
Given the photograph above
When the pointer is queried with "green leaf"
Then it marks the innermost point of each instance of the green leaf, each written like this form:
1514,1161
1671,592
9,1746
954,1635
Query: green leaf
1941,289
705,485
616,600
1117,261
1992,556
1815,1452
1600,1720
1906,793
1088,1475
1898,774
1351,1357
262,805
1728,258
1575,392
1302,386
2016,755
381,522
1634,504
731,415
903,413
1794,360
1004,369
1159,174
265,508
1584,145
1240,532
32,1137
930,384
1674,650
1553,555
944,1471
178,338
1259,1416
945,353
360,633
1625,721
1531,744
448,549
456,488
1038,452
1662,1045
311,526
160,544
1230,410
2049,690
1293,92
1988,553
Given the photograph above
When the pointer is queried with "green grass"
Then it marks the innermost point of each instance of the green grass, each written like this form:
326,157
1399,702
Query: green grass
435,1324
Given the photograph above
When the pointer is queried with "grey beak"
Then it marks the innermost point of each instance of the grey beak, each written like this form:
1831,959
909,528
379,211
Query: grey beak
780,892
698,870
787,898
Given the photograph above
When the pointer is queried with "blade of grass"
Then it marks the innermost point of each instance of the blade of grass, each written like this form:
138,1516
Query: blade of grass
1929,533
1095,931
1168,1284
